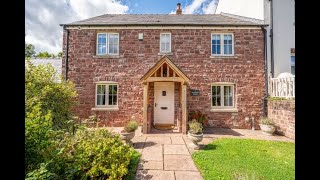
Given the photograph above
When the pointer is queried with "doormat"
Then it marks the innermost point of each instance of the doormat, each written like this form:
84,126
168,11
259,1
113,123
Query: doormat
164,126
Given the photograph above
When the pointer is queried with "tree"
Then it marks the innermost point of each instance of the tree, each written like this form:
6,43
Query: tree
29,50
45,55
47,109
59,54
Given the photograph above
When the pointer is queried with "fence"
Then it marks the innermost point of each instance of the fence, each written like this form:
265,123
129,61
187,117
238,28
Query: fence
283,86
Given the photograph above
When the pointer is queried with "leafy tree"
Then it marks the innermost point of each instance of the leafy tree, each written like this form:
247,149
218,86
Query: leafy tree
47,109
29,50
43,55
59,54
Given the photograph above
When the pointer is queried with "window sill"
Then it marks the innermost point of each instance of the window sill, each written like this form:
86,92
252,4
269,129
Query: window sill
106,56
163,53
222,57
104,109
223,110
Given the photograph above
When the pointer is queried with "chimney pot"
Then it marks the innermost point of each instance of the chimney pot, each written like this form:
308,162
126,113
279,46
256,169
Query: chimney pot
178,11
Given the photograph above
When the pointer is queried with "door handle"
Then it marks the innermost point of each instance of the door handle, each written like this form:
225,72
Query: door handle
155,104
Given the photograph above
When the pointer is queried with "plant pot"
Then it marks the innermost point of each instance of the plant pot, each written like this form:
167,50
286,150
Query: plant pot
195,138
267,129
127,137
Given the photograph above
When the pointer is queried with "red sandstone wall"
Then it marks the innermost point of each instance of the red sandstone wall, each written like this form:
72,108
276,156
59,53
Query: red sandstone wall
191,53
283,114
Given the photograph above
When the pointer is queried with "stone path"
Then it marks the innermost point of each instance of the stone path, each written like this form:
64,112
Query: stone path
166,157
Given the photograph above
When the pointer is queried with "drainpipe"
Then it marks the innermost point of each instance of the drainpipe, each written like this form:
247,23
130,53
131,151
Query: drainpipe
265,71
271,40
67,52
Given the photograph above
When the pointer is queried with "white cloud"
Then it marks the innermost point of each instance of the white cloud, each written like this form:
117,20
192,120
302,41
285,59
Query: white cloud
211,8
44,16
193,7
248,8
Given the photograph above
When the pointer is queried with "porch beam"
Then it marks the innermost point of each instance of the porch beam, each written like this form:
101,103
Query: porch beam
184,108
145,108
175,79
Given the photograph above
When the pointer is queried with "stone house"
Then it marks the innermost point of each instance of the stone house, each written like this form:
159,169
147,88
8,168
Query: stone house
159,67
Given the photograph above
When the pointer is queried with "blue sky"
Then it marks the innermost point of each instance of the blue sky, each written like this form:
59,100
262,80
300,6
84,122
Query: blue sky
42,17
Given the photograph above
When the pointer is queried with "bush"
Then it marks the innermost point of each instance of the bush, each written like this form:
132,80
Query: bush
199,116
131,126
195,127
47,110
95,154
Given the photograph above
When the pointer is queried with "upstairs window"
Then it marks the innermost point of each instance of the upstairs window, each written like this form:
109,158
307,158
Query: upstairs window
107,43
165,42
222,44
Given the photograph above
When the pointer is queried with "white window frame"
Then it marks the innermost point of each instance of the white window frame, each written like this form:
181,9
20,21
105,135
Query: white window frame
169,43
222,84
107,95
222,44
107,43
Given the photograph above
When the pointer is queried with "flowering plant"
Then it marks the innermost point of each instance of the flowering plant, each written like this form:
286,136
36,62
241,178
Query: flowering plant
199,116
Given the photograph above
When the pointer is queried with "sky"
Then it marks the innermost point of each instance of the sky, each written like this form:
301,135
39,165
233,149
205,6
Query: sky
43,17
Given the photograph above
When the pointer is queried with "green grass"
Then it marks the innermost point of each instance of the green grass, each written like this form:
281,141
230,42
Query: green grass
246,159
132,168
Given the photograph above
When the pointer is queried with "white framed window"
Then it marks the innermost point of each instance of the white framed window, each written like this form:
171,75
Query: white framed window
107,43
106,95
222,44
222,96
165,42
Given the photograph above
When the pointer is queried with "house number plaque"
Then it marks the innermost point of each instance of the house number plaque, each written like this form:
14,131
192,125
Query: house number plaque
195,92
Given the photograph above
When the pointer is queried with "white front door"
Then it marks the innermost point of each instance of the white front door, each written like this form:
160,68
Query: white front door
163,103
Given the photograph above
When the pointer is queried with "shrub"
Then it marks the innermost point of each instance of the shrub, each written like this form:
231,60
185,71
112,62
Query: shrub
131,126
266,121
94,154
47,109
199,116
195,127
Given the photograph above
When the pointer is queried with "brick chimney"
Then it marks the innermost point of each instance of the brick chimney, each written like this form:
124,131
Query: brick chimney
178,11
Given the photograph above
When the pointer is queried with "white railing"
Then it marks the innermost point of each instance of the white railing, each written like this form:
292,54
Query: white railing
283,86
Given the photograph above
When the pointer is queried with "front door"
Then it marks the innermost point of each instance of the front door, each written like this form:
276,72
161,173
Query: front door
163,103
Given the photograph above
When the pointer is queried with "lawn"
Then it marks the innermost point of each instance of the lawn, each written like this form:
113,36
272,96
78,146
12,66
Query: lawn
228,158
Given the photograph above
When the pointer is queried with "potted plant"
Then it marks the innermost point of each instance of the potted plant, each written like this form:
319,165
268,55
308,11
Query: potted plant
129,131
200,117
267,126
195,133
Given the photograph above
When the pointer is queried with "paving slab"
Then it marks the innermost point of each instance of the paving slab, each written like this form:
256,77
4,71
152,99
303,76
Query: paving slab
179,163
175,149
159,140
152,153
188,175
177,140
153,165
154,175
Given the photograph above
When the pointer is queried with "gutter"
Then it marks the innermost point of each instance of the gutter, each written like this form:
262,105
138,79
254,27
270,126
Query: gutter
67,51
271,40
265,114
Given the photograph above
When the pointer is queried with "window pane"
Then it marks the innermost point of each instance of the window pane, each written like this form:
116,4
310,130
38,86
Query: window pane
113,89
218,49
162,47
227,44
216,96
167,47
228,96
102,39
214,49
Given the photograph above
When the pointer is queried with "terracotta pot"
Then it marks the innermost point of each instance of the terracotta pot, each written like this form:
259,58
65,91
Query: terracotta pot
195,138
267,129
127,137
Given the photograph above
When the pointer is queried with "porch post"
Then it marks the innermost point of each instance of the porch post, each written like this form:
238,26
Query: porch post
145,107
184,108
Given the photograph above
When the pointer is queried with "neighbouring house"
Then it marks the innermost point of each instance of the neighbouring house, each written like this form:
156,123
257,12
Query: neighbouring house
159,67
55,62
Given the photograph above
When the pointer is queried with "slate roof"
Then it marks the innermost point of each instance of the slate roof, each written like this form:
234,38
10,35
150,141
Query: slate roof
164,19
